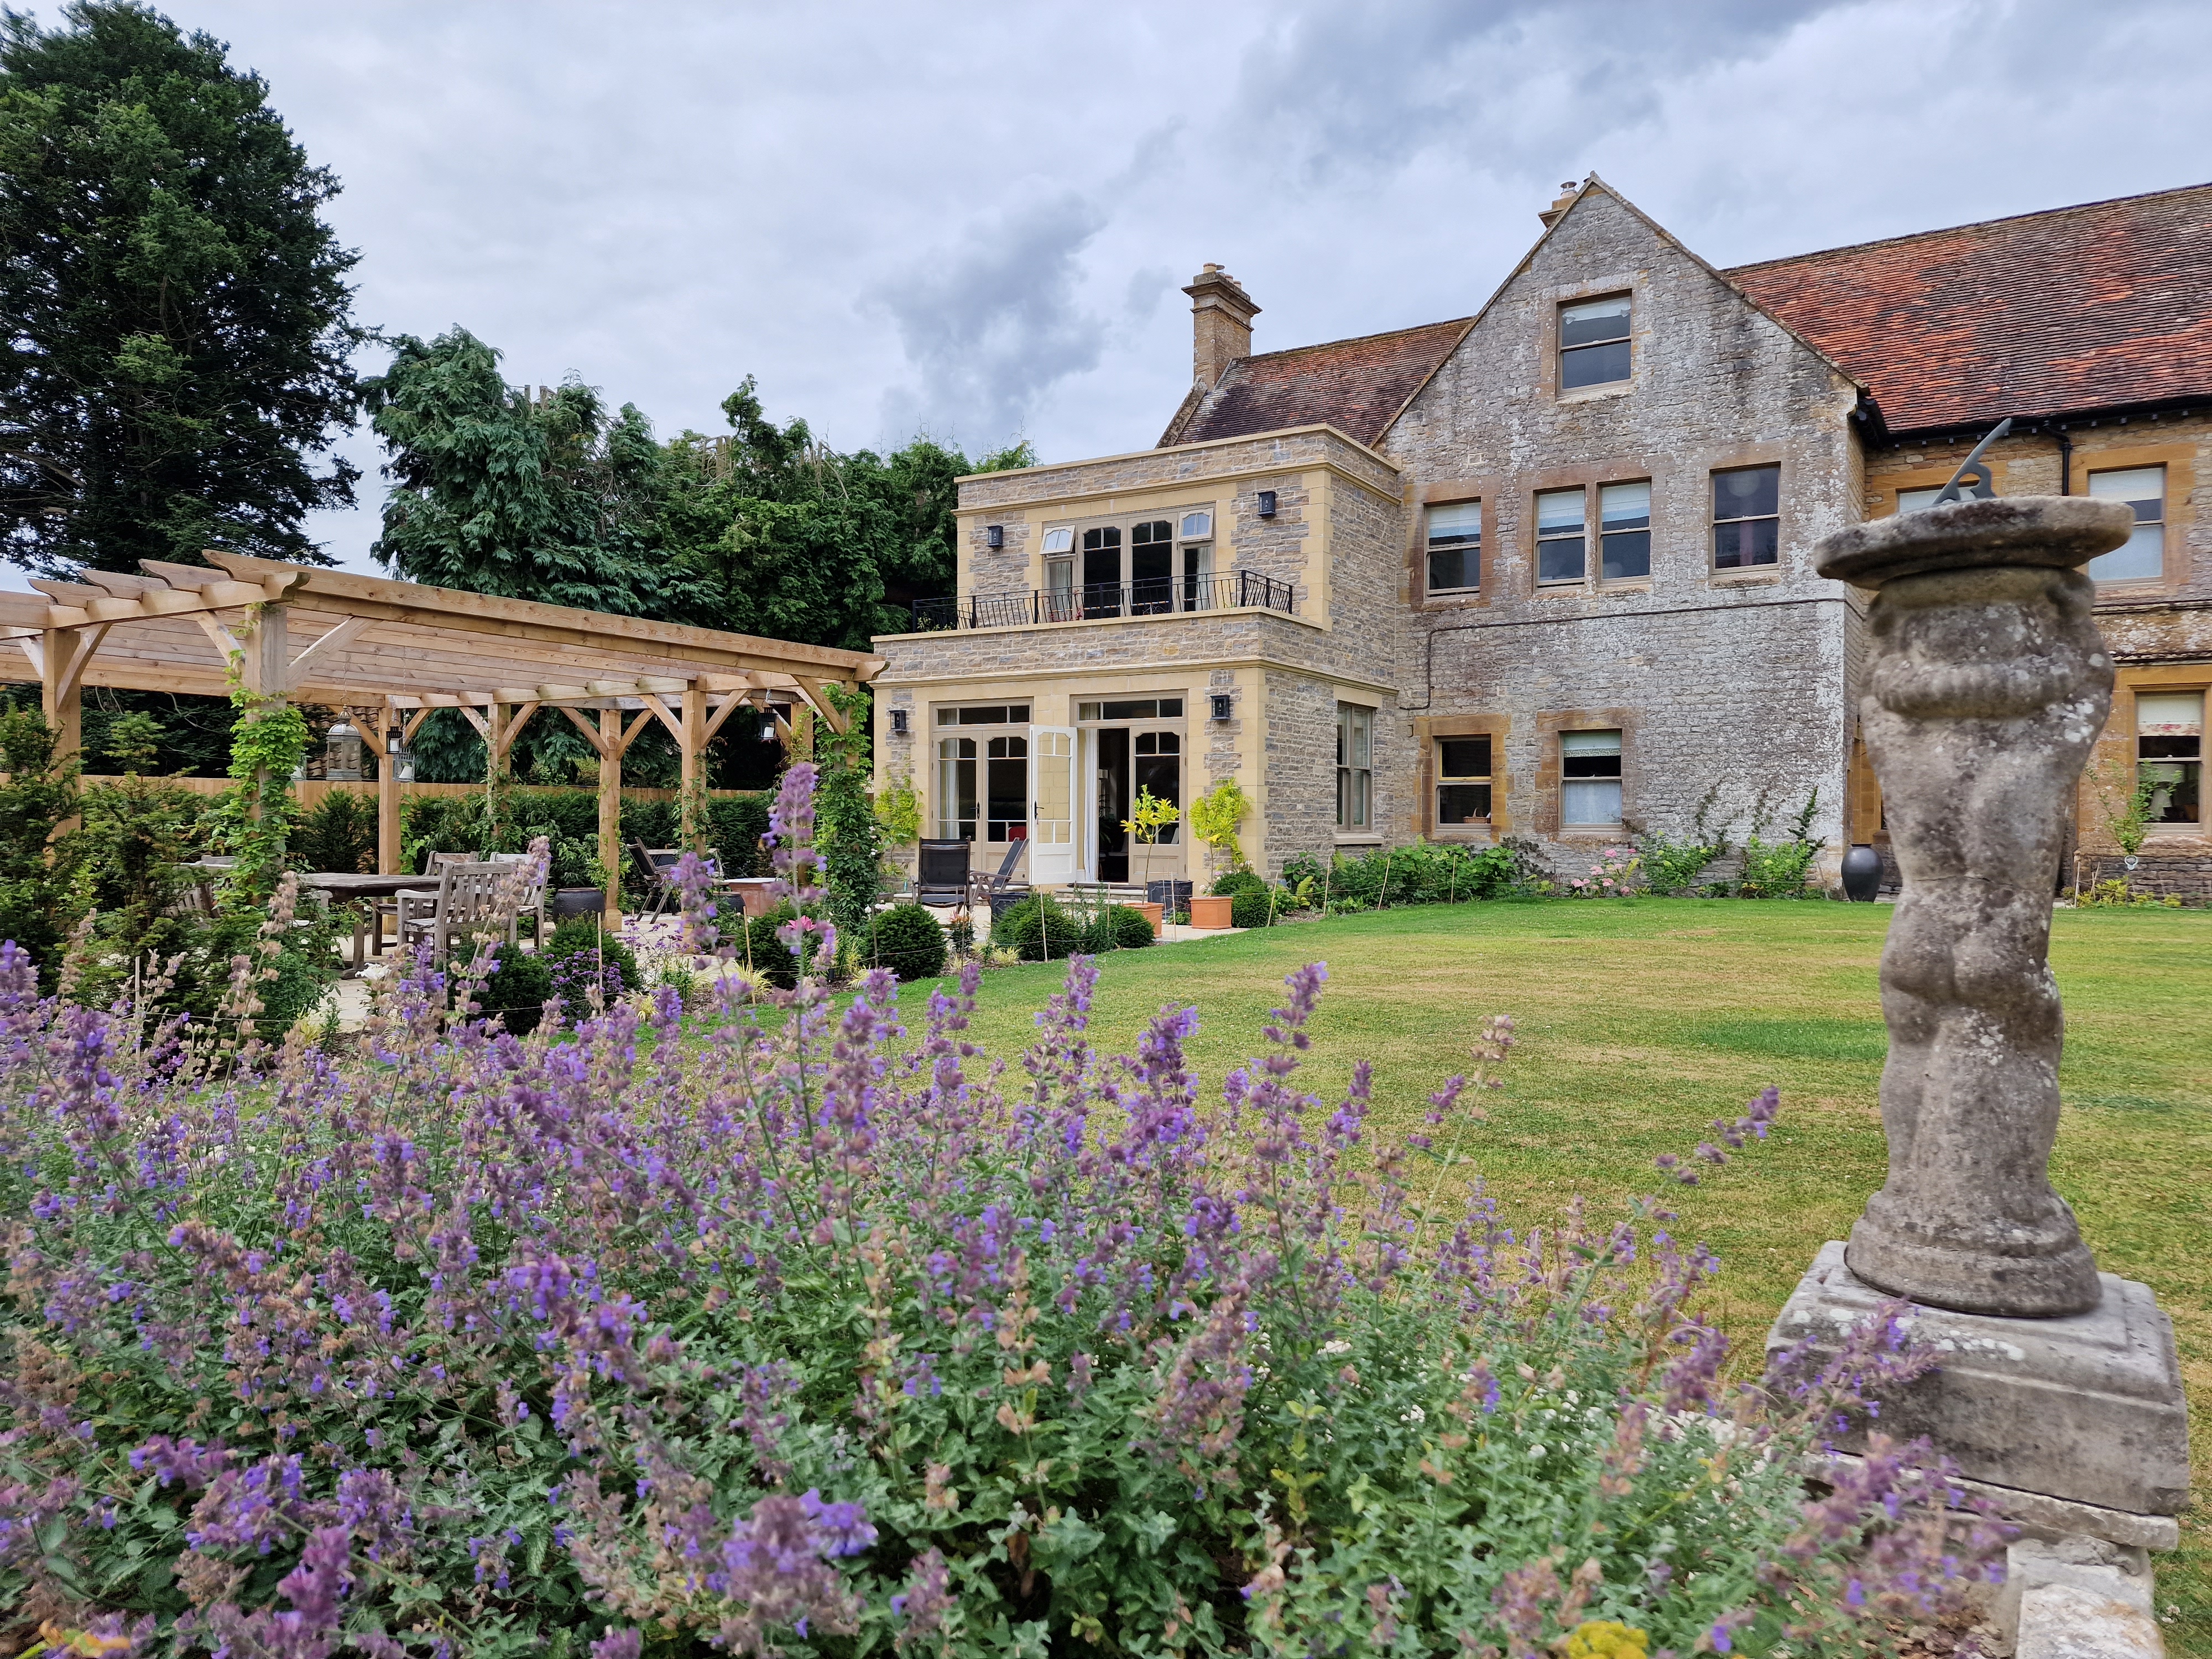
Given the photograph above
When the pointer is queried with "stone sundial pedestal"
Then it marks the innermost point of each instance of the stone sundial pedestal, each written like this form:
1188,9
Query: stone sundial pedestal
1986,683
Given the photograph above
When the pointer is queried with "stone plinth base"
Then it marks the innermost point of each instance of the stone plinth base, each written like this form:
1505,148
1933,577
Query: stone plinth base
2087,1408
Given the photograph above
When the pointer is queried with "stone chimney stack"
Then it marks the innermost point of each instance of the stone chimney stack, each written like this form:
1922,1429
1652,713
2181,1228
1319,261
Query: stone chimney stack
1568,192
1221,315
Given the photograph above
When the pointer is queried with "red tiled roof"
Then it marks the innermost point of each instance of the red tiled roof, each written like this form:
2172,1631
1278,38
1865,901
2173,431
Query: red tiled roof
1357,386
2086,308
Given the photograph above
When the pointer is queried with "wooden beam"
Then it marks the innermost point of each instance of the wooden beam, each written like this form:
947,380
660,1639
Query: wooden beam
691,745
331,643
729,704
611,743
527,619
592,735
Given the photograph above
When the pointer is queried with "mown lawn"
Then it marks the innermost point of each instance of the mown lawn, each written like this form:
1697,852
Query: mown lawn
1641,1020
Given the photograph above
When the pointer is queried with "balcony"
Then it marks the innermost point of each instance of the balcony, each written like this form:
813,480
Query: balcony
1159,595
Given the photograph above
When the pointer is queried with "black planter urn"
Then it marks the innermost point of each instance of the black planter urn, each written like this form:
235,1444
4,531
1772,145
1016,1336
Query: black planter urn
1862,874
578,902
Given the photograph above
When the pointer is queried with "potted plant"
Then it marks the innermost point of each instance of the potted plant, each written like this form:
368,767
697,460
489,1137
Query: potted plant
1214,818
576,862
1148,818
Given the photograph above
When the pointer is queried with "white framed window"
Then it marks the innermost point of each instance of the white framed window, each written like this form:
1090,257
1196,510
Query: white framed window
1561,523
956,787
1454,546
1624,521
1061,540
1059,591
2142,558
1590,780
1197,526
1462,781
1748,517
1594,343
1355,766
986,713
2170,757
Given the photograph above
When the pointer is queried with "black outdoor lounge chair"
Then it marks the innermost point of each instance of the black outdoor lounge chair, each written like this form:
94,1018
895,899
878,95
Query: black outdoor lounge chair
941,876
999,892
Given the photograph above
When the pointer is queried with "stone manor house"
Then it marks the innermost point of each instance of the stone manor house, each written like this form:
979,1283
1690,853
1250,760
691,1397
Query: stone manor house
1545,572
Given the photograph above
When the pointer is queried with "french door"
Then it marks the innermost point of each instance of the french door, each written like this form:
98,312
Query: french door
1052,805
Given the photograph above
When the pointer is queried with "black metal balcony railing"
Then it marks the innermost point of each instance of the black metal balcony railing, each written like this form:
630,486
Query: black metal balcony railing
1161,596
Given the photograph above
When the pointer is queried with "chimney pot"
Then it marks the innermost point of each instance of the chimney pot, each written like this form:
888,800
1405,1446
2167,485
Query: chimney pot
1221,315
1568,192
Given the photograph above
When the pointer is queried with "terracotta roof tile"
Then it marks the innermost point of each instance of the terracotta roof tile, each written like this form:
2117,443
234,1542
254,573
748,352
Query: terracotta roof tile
2086,308
1357,386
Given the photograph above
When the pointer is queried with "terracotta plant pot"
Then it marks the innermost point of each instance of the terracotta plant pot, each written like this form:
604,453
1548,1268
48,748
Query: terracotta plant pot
1208,913
1152,913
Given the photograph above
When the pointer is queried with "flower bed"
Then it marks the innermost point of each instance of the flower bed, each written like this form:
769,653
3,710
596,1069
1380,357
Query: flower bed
808,1335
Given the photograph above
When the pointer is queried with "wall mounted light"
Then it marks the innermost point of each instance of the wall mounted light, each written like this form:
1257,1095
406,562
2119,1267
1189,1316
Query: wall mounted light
1221,705
898,722
994,536
1267,503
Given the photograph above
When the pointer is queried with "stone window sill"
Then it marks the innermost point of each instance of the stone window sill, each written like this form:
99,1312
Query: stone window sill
1359,840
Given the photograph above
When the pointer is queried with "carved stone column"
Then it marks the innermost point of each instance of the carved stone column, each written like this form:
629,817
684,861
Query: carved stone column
1987,682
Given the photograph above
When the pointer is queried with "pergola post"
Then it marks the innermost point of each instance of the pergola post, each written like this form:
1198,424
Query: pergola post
383,743
266,656
692,743
611,746
60,683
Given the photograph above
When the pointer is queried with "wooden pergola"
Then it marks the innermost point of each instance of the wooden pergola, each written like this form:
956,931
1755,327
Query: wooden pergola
386,653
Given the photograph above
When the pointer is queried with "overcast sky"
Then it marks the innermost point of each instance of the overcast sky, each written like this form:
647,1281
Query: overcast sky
974,220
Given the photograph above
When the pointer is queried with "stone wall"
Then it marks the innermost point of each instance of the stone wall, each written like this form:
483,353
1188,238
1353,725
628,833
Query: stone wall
1719,677
2186,876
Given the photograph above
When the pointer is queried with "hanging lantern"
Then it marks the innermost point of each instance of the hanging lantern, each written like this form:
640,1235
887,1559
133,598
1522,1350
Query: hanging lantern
342,754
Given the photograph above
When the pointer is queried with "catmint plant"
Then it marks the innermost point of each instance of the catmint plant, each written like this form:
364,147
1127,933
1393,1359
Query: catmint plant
805,1327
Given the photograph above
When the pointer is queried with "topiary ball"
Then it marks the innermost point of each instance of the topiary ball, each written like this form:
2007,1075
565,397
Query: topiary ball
770,955
907,940
516,992
1248,910
1038,929
1125,927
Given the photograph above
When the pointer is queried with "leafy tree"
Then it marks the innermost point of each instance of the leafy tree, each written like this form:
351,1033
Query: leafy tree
177,320
501,492
38,862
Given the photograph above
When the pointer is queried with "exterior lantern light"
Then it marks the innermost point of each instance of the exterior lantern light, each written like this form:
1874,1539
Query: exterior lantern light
1267,503
1221,705
342,754
994,536
898,722
403,764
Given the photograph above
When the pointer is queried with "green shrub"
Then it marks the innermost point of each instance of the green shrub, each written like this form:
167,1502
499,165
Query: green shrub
517,990
339,833
1239,881
579,952
1250,910
760,948
1117,928
1038,929
1421,873
906,940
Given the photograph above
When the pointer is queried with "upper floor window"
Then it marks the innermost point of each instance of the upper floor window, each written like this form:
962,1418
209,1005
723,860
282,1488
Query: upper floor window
1151,566
2142,558
1590,780
1462,781
2170,755
1594,343
989,713
1561,519
1355,766
1454,546
1748,517
1624,518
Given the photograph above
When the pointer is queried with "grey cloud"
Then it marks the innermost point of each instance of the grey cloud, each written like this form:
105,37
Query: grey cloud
992,322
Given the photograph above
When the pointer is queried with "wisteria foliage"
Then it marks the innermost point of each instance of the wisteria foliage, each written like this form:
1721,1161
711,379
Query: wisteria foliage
791,1329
